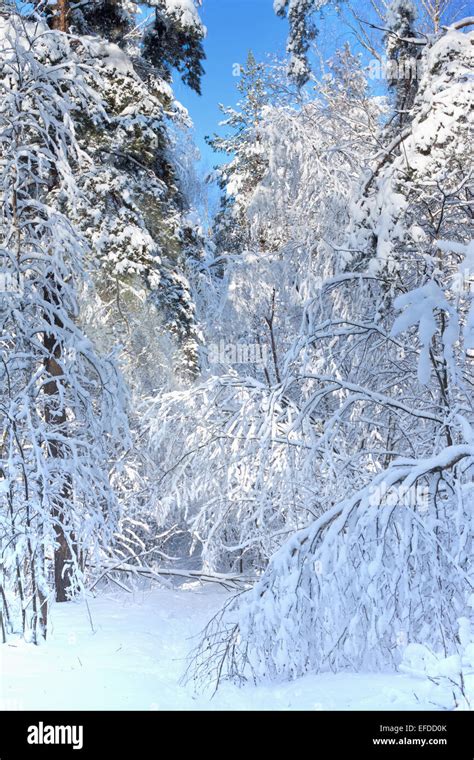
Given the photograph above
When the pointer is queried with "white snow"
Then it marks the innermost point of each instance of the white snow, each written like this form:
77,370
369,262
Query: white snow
110,53
136,655
186,12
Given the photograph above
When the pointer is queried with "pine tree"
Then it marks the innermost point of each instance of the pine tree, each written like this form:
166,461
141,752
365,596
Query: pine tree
111,19
239,178
403,49
174,41
141,241
135,213
301,33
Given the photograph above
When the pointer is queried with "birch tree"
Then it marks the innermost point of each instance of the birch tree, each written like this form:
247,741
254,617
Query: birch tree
63,405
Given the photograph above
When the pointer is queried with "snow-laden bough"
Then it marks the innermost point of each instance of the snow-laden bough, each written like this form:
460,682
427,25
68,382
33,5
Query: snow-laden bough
389,566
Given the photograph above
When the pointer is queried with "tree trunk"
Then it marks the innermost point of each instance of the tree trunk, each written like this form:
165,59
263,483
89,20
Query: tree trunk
60,17
55,416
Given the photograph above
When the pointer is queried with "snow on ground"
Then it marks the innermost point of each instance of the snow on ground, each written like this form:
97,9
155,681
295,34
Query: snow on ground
135,656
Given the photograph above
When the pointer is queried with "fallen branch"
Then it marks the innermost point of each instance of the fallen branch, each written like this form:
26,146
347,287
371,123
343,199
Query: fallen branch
230,582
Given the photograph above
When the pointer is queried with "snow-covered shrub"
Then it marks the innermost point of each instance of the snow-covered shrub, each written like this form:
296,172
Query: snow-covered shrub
447,681
394,558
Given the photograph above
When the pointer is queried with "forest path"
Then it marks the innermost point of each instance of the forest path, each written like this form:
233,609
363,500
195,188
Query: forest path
135,656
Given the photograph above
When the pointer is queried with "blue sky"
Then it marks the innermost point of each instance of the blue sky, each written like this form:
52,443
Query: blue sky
234,27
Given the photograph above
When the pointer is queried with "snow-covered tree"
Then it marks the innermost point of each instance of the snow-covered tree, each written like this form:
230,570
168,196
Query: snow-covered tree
174,41
403,50
302,30
238,177
133,206
136,216
62,404
134,210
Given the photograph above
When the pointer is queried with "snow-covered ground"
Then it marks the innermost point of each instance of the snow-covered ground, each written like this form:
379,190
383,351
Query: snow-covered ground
134,656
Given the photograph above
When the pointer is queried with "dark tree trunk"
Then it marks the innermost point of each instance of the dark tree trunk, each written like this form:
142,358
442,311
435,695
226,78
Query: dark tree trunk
55,416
